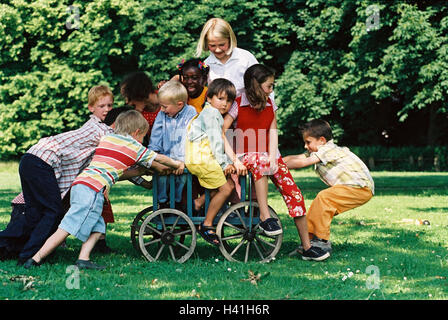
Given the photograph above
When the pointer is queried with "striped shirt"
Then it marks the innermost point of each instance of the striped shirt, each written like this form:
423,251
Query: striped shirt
340,166
70,152
114,154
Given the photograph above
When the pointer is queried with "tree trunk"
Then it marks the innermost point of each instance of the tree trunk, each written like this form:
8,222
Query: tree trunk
432,126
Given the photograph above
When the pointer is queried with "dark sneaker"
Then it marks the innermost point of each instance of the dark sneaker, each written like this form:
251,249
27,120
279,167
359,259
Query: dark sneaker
87,264
315,254
325,245
164,205
271,227
30,263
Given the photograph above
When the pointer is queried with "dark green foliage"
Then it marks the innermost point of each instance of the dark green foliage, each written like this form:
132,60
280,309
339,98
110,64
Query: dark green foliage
392,80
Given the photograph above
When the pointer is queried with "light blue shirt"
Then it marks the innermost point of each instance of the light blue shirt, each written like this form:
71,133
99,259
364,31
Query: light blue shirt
209,125
168,133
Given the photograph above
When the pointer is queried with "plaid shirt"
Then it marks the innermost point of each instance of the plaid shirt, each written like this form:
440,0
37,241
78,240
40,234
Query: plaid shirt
340,166
70,152
19,199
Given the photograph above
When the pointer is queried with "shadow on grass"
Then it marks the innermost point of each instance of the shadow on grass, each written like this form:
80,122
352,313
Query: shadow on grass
430,209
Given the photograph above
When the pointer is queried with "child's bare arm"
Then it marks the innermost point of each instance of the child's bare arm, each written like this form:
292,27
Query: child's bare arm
273,145
133,172
160,168
240,168
300,161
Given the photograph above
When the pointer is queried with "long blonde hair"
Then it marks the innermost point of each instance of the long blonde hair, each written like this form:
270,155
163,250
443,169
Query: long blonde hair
220,29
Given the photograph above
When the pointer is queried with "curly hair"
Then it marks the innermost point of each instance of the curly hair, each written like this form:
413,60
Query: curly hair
136,86
194,63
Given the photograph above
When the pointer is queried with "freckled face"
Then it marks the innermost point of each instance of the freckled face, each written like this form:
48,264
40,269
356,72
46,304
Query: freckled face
102,107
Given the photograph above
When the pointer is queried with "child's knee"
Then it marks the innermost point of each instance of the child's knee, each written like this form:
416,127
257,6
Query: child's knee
228,187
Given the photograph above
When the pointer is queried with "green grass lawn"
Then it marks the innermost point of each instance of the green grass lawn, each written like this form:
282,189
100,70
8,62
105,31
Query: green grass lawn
411,260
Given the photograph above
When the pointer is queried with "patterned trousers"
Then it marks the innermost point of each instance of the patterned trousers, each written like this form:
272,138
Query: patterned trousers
258,164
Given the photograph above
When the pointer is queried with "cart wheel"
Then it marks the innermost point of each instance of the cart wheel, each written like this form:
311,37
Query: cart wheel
169,229
238,242
136,224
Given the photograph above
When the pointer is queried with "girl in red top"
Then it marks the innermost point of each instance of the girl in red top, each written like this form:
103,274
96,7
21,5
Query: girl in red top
255,141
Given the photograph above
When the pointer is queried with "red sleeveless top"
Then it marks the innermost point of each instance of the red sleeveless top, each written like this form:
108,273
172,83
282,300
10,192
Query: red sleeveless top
254,125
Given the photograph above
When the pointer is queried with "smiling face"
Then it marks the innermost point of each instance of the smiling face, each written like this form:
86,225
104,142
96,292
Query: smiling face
220,102
102,107
219,47
170,108
193,80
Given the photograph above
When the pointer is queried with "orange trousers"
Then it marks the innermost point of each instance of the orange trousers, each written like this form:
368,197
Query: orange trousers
330,202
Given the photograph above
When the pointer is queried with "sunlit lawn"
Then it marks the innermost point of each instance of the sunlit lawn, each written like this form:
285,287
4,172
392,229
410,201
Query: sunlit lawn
411,261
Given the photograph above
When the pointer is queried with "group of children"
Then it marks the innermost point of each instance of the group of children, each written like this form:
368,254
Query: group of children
217,118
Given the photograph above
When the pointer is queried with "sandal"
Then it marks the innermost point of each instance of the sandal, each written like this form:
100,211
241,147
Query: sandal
208,234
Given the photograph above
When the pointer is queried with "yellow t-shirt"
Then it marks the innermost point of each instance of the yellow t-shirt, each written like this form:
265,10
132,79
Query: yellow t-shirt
198,102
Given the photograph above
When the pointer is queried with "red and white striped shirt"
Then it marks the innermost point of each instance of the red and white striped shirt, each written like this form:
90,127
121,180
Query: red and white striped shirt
114,154
70,152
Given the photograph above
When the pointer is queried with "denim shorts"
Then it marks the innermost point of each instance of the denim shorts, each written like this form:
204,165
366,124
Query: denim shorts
84,215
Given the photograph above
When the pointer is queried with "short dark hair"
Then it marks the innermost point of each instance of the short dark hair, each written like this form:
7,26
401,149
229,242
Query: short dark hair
136,86
113,114
221,85
317,128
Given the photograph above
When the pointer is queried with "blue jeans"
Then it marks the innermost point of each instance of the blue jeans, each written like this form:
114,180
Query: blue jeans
164,184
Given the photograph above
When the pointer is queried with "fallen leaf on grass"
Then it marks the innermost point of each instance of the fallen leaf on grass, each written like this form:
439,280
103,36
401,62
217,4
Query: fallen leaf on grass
28,281
193,293
363,223
254,278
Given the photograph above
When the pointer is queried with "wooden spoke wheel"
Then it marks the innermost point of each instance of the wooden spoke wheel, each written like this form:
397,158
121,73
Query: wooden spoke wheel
167,233
241,241
136,224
